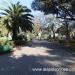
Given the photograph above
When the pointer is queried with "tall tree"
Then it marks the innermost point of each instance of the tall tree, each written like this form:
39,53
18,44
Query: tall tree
64,9
17,17
63,31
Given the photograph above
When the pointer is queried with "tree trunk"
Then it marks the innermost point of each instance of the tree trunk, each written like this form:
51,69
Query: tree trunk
67,32
14,31
53,35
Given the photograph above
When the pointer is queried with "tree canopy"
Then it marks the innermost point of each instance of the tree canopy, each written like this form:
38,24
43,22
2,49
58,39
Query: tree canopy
64,9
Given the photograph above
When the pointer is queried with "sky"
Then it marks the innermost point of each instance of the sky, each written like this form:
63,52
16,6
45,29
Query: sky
24,2
5,3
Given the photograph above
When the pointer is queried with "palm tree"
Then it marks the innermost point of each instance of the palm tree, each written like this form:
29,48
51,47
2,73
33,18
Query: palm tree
17,17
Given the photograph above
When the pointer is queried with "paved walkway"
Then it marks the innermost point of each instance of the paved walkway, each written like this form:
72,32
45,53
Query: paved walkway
38,54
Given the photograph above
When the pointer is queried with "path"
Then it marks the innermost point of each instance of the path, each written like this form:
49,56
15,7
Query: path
39,54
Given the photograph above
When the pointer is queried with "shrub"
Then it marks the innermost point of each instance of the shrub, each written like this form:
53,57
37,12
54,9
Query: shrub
30,36
21,39
68,43
71,41
49,38
62,41
72,44
5,46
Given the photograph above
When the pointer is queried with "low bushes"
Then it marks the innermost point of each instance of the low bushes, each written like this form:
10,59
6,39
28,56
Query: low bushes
62,42
21,39
72,44
5,46
68,43
51,39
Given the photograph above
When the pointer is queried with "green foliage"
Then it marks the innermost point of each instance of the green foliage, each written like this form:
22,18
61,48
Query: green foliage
72,44
62,42
62,30
49,37
5,46
30,36
68,44
44,5
17,19
55,7
21,39
3,29
71,41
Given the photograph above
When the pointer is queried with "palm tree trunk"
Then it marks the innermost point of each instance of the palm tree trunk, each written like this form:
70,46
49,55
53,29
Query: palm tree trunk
14,31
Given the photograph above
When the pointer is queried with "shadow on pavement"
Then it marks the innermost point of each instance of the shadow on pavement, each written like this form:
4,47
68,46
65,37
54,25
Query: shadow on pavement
54,57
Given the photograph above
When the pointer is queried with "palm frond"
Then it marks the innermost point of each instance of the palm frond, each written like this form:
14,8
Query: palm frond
18,16
2,13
